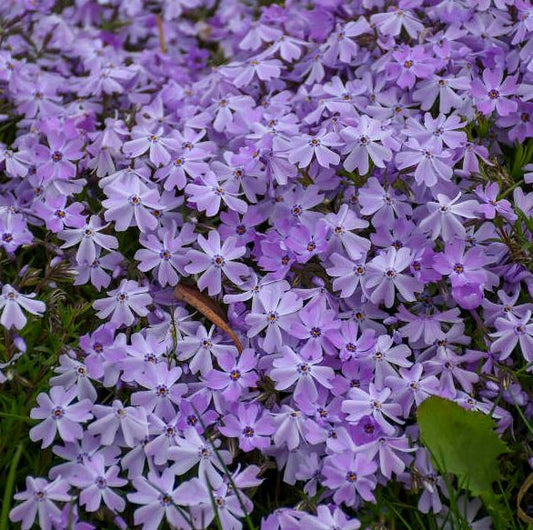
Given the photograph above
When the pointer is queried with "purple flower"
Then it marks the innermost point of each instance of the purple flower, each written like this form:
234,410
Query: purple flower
59,415
89,239
192,450
289,427
384,276
513,331
274,310
158,498
11,305
165,253
96,483
350,475
131,203
215,260
163,391
201,347
238,374
56,161
305,147
491,93
158,145
39,499
13,231
465,270
373,403
252,431
125,301
411,388
292,368
363,143
318,327
130,421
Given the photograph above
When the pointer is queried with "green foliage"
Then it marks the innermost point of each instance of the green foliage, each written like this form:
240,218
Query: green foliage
461,442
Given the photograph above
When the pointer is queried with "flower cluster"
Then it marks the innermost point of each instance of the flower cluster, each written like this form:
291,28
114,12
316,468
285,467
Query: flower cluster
328,173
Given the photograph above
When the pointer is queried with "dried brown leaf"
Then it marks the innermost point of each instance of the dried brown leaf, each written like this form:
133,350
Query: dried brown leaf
205,305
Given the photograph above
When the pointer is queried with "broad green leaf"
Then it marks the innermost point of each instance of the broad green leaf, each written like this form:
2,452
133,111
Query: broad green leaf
461,442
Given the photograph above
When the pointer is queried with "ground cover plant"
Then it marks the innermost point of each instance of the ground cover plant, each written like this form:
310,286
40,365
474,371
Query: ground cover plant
266,264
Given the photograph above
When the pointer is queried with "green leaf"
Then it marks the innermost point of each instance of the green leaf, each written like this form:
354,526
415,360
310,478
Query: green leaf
461,442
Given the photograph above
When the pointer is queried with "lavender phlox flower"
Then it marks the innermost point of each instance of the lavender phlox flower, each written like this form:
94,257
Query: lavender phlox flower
392,22
319,326
236,376
96,483
445,215
59,415
384,276
163,390
130,422
363,143
164,253
132,204
289,427
207,193
123,303
12,303
198,350
350,475
89,238
492,93
252,428
383,204
373,403
13,231
74,374
432,163
191,450
39,498
410,387
305,147
275,310
291,368
155,142
512,331
159,498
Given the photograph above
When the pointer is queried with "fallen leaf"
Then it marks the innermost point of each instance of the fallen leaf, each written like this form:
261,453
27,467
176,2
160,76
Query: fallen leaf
205,305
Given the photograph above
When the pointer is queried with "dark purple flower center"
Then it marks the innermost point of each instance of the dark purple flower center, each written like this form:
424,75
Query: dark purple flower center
408,64
164,500
161,390
58,413
218,261
316,332
235,375
520,329
458,268
192,420
304,368
7,237
97,347
39,495
315,142
248,432
101,483
272,317
240,229
494,94
57,156
351,476
135,200
165,254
